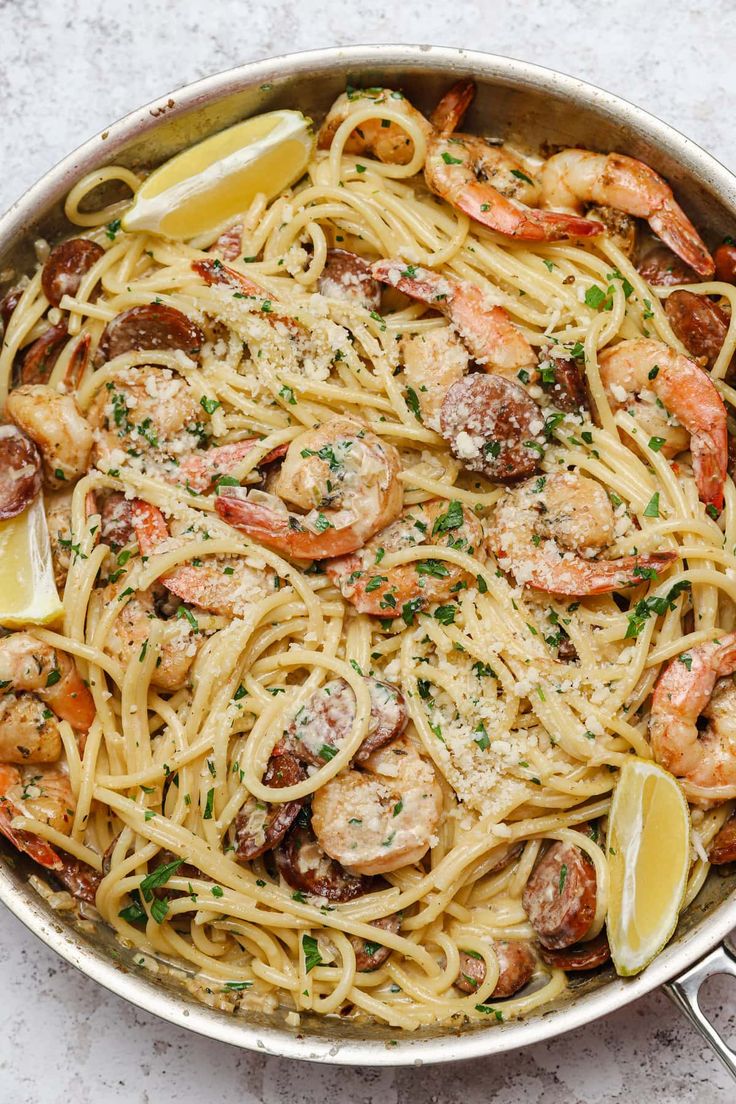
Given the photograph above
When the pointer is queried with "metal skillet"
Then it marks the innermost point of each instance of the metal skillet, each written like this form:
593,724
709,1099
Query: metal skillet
513,98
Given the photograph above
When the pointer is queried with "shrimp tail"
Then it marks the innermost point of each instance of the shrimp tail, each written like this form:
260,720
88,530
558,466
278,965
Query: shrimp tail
492,209
27,842
285,533
200,469
580,577
688,392
672,225
450,111
71,700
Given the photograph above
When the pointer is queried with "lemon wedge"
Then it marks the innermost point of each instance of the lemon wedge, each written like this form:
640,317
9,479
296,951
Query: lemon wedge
202,187
649,860
28,594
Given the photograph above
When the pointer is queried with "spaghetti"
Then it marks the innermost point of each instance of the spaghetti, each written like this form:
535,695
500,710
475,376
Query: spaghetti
522,703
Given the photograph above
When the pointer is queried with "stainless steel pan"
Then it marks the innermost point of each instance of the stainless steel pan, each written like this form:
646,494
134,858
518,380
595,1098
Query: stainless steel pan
512,97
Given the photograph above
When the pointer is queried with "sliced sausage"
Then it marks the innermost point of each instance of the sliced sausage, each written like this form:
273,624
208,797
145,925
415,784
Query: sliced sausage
66,265
79,878
581,956
370,955
620,227
259,825
37,362
516,965
660,267
723,845
325,720
567,391
560,896
8,303
699,323
347,276
304,865
20,471
725,262
151,326
493,427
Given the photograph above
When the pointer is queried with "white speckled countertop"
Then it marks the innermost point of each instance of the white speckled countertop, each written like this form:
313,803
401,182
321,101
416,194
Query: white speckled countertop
68,69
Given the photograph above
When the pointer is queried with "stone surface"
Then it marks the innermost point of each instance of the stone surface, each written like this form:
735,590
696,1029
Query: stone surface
68,69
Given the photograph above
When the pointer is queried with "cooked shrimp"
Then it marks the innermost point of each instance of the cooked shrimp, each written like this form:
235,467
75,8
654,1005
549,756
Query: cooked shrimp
433,361
390,144
201,469
226,585
30,665
686,690
548,531
486,330
638,373
146,413
382,817
41,793
54,422
343,476
487,183
385,592
574,177
132,627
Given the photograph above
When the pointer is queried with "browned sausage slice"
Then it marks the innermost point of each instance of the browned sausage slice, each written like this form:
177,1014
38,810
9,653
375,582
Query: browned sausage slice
723,845
663,268
493,427
20,471
516,964
725,262
699,323
581,956
151,326
38,360
8,303
259,825
370,955
79,878
325,720
347,276
560,896
564,382
567,389
65,266
304,865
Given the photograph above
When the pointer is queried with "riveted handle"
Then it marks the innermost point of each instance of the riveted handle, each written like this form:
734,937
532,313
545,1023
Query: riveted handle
684,991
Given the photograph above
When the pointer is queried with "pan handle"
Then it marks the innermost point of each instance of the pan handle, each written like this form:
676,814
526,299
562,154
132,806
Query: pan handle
684,991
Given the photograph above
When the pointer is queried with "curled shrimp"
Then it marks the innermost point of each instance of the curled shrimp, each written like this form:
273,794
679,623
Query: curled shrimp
548,532
390,591
55,424
704,758
31,667
487,182
40,793
178,641
390,144
380,817
383,138
576,176
486,330
638,372
225,585
343,476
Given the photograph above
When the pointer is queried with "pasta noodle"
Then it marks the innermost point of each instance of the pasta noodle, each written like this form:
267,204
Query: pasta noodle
526,746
